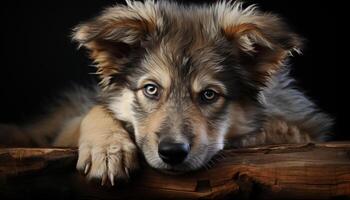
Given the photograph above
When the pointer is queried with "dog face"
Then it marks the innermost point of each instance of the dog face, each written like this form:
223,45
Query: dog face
185,77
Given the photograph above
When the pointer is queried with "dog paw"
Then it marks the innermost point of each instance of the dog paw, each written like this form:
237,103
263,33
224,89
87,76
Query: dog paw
114,159
106,151
249,140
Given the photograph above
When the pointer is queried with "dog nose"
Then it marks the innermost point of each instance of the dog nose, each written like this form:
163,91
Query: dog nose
173,153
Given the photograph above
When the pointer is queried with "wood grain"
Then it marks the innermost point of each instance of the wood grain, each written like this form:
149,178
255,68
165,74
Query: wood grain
308,171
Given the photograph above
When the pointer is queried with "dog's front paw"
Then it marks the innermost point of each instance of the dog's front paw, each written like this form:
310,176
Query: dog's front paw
113,159
106,150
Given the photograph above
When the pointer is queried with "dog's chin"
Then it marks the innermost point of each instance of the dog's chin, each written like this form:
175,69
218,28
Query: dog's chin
190,164
172,171
177,169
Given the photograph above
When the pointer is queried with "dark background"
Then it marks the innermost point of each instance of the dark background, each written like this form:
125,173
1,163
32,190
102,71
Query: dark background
38,58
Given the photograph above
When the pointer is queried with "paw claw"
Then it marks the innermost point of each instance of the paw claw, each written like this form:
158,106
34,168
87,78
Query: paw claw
87,168
111,179
104,180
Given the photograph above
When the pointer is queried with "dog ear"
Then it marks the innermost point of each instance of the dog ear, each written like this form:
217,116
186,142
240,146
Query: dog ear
264,42
115,34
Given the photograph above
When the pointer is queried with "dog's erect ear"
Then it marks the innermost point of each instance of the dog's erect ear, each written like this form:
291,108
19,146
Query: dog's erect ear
264,40
113,35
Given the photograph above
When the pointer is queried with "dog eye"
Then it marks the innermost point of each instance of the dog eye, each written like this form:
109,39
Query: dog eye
151,91
208,96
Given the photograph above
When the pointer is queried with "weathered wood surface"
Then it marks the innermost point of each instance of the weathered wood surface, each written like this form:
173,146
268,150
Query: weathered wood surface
310,171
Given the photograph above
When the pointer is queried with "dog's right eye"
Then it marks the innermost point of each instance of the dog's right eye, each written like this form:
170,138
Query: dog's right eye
151,91
208,96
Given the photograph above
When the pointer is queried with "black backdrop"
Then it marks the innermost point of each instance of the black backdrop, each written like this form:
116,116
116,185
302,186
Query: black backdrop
38,58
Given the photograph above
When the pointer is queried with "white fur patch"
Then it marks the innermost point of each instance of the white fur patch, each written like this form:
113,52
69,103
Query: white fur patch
122,105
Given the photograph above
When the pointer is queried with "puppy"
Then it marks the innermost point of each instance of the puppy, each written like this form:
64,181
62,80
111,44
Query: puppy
179,83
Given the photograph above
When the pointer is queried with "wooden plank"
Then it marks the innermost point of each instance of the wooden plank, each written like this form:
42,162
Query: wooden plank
308,171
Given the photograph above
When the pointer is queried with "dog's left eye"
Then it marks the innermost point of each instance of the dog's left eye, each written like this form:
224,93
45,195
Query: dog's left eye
151,91
208,96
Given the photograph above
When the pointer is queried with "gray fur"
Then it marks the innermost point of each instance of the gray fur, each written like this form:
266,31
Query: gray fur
281,98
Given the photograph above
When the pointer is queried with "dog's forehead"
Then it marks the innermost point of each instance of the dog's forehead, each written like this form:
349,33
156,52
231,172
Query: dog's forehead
197,20
186,48
189,67
183,51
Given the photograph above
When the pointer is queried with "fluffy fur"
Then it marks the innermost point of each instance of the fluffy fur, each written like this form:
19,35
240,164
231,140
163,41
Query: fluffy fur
239,53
